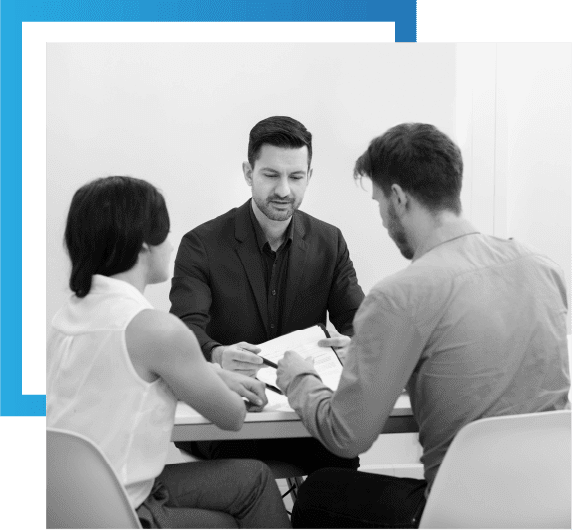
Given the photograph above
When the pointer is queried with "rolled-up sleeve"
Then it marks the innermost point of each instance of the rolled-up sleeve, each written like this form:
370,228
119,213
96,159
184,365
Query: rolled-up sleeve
381,357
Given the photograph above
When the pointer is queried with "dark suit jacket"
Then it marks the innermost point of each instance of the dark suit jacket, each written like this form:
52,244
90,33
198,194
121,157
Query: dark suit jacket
218,288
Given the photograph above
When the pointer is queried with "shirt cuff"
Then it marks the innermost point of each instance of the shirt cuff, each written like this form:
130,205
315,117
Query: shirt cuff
302,393
208,349
290,384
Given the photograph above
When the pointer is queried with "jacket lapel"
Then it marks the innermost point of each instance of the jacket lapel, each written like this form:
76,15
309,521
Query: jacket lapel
296,265
248,253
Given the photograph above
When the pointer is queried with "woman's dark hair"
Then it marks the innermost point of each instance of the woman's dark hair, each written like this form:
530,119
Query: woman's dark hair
108,222
279,131
419,158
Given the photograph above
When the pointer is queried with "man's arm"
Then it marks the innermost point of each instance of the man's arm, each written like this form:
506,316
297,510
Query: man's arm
345,293
191,301
190,290
380,360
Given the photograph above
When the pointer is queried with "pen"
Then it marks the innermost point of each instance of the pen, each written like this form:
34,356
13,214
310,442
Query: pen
274,389
269,363
323,328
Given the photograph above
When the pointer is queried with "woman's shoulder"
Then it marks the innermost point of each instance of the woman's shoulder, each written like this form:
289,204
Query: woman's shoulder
154,320
151,328
156,339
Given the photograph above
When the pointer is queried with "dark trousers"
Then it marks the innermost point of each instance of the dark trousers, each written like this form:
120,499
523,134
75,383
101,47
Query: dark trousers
244,489
307,453
341,498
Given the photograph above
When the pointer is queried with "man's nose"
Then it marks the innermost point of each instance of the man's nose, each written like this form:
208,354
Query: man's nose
283,188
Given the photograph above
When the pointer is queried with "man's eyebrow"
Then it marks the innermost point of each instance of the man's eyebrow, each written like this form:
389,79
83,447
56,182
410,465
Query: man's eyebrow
301,171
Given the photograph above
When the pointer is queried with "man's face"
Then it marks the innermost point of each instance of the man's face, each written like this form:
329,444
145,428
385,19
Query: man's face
392,222
278,179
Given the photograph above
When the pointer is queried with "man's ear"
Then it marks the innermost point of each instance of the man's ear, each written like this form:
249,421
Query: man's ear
247,171
399,198
310,171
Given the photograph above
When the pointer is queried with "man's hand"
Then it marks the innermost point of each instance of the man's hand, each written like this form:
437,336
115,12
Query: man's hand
339,343
248,387
240,357
290,366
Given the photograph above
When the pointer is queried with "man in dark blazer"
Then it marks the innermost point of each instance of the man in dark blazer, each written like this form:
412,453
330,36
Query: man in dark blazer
262,270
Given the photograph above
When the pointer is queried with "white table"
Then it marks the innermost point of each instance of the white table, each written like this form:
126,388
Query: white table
275,421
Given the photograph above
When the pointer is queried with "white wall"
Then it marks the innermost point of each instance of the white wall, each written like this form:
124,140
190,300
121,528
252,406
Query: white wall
514,125
535,92
179,115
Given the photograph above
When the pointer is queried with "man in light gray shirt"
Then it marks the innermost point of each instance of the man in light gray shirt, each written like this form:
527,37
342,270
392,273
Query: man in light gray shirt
474,327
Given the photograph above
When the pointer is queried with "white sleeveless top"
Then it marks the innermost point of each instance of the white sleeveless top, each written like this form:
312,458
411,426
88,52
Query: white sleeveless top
93,388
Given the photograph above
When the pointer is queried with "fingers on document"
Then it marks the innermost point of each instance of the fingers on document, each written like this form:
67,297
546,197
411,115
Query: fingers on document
251,407
254,398
247,357
334,342
248,372
249,347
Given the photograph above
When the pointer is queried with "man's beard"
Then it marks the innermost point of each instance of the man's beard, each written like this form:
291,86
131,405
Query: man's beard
397,233
276,214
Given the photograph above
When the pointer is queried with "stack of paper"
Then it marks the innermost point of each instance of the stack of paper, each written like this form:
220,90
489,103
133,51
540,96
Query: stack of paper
305,343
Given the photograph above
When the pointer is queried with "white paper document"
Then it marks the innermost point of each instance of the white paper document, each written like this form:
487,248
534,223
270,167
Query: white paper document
305,343
276,402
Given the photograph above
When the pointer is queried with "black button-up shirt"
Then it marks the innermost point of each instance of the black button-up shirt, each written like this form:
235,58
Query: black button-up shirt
275,266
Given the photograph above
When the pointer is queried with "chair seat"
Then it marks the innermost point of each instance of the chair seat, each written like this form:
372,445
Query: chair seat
83,490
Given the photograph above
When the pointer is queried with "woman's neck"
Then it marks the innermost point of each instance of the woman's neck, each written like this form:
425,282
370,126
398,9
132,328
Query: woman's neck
133,276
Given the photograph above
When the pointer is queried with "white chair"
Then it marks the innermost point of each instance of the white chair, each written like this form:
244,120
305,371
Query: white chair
569,337
83,490
505,472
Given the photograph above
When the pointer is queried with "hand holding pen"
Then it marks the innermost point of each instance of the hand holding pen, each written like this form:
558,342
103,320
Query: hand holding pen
271,365
240,357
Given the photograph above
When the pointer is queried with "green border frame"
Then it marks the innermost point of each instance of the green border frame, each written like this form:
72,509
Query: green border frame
34,38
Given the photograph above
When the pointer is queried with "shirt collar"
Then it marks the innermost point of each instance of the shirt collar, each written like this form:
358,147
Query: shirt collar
104,285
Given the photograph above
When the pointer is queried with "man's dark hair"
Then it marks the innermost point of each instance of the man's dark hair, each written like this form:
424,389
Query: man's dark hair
108,222
279,131
421,159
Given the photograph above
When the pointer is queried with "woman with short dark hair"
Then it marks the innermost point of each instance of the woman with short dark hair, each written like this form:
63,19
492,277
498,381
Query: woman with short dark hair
116,366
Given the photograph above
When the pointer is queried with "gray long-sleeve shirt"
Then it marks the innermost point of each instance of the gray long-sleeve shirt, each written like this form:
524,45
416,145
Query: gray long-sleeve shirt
476,327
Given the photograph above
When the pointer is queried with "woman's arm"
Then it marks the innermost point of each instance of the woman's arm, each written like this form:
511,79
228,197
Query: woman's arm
159,344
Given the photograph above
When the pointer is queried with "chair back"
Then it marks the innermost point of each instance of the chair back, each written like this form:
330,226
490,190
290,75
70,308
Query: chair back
569,339
82,488
505,472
